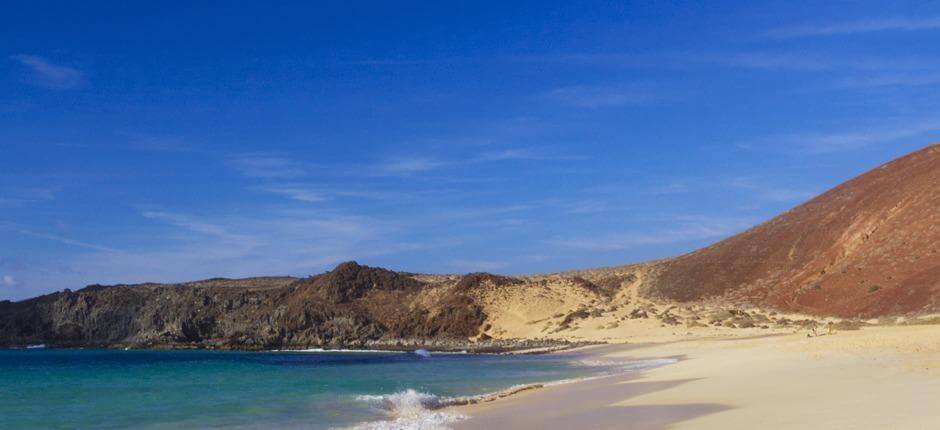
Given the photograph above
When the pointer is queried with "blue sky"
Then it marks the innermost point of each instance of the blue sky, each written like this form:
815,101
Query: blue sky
169,143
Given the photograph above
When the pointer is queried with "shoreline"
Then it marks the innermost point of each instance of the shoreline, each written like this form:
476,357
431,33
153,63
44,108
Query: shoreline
846,380
497,347
410,408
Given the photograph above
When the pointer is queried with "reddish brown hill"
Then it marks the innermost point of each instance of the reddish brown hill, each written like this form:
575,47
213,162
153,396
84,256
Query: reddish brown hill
868,247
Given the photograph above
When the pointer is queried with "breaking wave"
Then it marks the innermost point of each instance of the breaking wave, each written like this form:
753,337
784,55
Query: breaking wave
414,410
409,410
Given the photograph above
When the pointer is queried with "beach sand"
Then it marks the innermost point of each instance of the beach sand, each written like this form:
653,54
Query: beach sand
875,378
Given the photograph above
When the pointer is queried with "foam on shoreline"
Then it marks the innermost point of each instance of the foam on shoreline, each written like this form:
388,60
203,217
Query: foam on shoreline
413,410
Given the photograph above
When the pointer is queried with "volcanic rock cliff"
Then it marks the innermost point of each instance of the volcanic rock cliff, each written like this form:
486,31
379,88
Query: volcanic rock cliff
350,306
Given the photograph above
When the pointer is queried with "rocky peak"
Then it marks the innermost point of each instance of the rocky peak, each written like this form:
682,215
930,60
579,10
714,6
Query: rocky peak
350,280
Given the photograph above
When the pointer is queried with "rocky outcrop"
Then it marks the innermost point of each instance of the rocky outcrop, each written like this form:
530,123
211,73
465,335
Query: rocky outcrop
350,306
473,281
350,281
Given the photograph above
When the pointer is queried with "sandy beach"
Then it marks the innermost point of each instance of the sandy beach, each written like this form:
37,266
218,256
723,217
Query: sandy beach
875,378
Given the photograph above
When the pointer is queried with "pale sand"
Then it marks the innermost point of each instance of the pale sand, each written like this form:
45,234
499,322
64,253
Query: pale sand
876,378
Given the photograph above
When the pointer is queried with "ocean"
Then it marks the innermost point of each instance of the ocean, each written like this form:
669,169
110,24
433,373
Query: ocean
116,389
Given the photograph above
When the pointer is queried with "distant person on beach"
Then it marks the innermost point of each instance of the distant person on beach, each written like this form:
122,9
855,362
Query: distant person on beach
829,326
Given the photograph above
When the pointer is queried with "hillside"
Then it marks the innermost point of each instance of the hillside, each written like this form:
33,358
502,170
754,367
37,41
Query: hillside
868,247
352,305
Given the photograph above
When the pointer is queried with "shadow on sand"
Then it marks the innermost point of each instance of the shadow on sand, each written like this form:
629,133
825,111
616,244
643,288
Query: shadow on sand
589,405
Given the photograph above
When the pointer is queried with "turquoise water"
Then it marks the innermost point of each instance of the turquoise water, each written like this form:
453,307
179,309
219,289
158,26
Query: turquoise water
111,389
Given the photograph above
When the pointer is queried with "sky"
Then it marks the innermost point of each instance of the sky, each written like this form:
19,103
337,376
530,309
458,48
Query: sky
159,142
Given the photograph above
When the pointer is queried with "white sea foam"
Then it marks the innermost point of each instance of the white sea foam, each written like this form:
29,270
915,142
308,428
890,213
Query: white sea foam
414,410
409,410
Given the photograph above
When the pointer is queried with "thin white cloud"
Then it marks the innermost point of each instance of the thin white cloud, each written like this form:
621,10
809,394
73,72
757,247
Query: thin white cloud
509,154
43,73
27,196
589,96
410,165
8,281
259,165
670,188
299,193
828,143
481,212
312,193
869,81
161,143
586,207
192,224
686,229
282,242
857,27
809,62
64,240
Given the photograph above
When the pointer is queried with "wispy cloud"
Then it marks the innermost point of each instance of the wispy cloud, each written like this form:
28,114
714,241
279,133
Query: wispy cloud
192,224
617,242
532,154
46,74
27,196
279,242
261,165
804,61
61,239
856,27
769,193
684,229
161,143
886,80
776,59
409,165
8,281
314,193
482,212
586,207
296,192
593,96
674,187
827,143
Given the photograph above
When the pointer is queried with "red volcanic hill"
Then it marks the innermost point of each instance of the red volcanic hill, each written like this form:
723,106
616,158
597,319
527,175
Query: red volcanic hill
868,247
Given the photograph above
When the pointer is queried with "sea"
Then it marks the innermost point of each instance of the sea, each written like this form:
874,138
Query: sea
44,388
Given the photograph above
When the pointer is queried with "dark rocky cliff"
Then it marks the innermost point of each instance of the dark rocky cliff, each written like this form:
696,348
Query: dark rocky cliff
350,306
